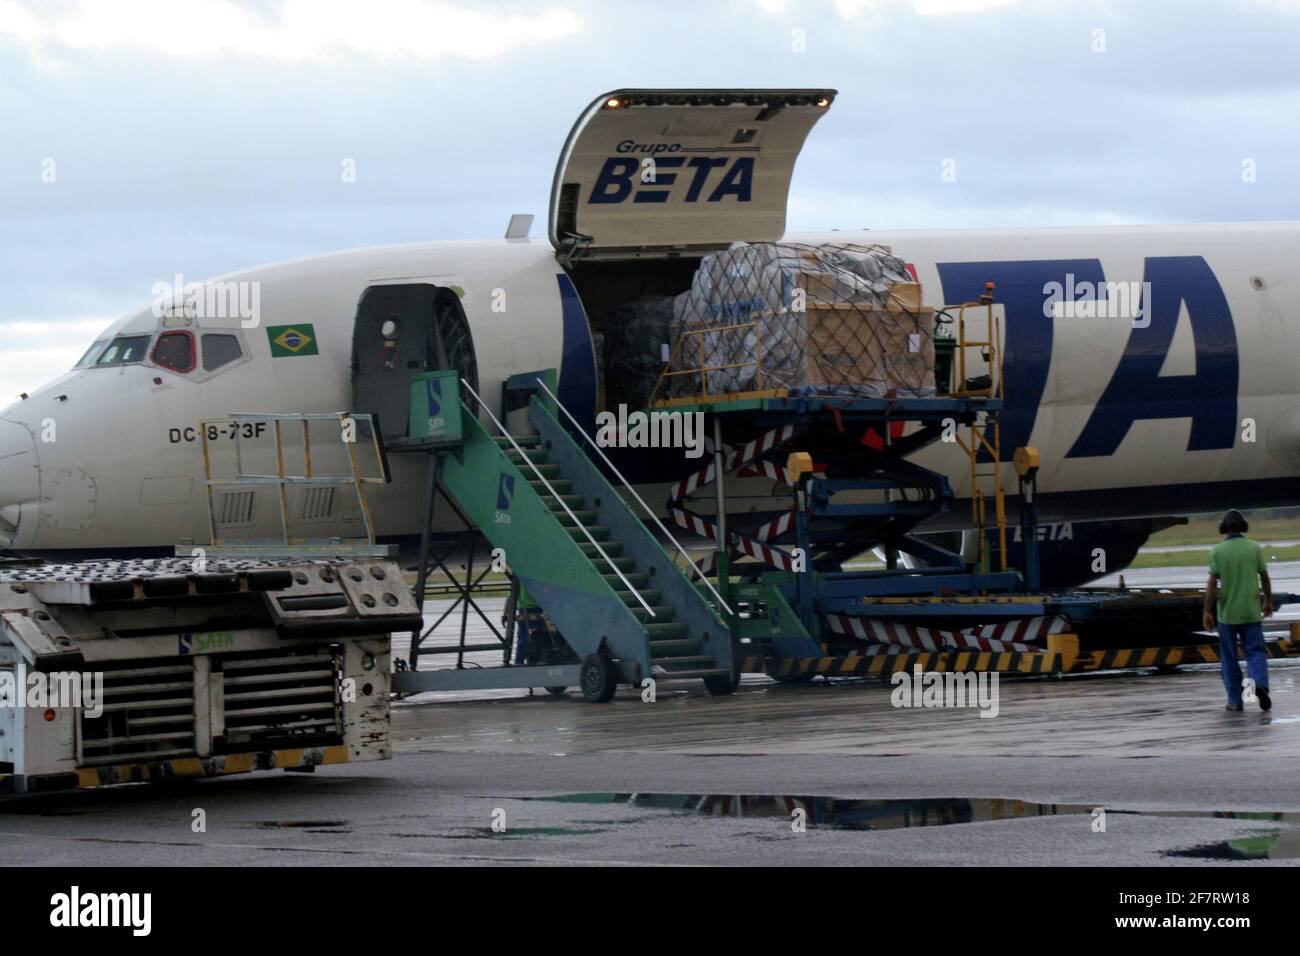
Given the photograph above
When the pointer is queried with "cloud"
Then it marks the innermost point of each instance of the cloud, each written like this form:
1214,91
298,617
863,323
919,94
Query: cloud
38,351
870,9
297,30
854,9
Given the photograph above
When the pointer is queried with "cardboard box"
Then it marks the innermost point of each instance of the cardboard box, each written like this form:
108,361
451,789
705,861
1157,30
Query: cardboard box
906,295
886,349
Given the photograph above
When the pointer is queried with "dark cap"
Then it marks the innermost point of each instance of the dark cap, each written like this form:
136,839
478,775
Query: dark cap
1234,522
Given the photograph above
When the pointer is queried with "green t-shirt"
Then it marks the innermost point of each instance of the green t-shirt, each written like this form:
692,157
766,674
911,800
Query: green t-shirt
1237,563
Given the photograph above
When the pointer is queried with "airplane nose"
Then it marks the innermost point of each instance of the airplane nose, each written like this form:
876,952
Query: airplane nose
20,478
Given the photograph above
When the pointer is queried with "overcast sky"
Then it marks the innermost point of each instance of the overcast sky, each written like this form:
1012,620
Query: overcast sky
202,136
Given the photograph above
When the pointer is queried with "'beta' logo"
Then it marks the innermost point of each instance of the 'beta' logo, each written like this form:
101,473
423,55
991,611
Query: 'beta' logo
620,178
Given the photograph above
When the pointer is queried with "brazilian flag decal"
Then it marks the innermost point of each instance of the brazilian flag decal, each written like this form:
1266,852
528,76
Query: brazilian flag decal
292,340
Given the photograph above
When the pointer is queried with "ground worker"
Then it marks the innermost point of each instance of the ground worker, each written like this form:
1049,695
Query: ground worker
1240,587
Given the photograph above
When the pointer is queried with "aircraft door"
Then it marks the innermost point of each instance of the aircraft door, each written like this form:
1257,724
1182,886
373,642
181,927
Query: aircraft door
401,330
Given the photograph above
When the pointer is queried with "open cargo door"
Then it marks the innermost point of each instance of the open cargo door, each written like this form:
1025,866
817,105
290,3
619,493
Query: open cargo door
647,171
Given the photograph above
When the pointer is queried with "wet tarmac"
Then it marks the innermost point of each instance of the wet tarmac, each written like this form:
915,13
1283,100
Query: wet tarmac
478,809
1134,768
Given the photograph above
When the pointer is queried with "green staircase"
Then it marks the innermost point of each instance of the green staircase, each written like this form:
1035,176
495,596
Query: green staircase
617,598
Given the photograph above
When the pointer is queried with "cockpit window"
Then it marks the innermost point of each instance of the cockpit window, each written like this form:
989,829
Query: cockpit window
175,350
220,349
124,350
92,353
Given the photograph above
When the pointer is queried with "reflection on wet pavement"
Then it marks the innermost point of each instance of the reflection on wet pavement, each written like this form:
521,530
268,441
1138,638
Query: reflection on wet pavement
834,812
856,814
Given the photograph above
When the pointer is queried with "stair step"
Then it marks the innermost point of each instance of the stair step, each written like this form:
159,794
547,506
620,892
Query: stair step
665,630
549,472
561,485
594,532
637,580
523,441
664,613
536,455
673,649
650,595
573,501
584,518
615,550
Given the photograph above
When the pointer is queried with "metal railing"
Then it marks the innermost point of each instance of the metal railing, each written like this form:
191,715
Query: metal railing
703,369
556,495
641,501
241,426
985,437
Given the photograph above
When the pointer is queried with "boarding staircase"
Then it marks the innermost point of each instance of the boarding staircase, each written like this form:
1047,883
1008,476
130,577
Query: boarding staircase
584,556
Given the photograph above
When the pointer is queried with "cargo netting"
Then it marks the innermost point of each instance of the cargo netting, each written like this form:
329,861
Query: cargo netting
800,319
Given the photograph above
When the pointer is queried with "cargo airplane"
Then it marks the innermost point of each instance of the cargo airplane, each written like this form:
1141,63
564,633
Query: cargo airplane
1190,405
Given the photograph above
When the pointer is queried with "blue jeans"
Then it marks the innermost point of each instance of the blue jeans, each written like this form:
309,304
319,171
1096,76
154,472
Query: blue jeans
1252,640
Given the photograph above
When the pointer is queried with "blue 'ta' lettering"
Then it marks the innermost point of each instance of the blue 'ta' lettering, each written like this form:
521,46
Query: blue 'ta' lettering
1027,337
1137,390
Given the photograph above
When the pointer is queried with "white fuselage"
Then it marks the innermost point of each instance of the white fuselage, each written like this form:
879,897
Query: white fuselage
104,458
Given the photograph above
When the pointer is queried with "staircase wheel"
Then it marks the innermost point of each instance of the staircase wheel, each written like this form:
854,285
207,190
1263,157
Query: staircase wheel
557,691
598,678
720,685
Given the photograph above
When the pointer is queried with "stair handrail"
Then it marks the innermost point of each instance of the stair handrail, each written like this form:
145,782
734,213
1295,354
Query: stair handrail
641,501
542,478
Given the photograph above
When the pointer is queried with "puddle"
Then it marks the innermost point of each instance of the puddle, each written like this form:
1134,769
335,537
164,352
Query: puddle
859,814
834,812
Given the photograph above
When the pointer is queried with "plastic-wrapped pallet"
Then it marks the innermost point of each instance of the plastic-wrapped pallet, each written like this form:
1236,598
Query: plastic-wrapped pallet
826,319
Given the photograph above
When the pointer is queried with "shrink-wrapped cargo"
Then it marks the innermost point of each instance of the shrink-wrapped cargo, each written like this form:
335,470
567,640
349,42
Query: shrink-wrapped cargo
825,319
